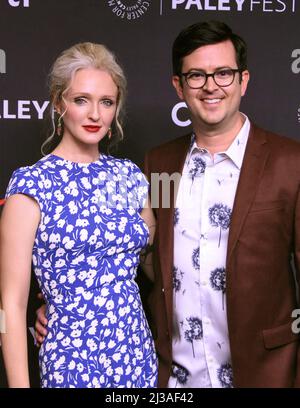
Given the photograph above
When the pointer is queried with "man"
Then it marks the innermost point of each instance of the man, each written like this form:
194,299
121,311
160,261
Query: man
224,288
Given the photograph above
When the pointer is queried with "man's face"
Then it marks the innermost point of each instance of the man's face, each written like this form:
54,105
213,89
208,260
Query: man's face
212,108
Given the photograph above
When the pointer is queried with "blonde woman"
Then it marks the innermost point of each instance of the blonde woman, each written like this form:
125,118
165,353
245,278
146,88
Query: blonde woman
81,217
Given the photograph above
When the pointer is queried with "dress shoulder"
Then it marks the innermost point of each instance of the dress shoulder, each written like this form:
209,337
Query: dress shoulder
28,180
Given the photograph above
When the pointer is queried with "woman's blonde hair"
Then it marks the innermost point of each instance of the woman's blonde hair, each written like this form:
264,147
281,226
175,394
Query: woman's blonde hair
79,56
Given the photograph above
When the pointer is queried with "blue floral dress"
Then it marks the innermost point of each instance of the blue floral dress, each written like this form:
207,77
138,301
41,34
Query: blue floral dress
85,258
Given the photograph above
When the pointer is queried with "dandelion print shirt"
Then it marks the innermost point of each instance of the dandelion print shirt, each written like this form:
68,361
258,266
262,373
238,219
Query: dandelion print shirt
201,354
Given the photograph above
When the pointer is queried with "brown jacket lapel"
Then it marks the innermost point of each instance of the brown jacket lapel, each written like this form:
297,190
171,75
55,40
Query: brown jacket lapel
255,158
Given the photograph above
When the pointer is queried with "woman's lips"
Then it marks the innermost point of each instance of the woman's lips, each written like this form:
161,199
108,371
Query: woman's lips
91,128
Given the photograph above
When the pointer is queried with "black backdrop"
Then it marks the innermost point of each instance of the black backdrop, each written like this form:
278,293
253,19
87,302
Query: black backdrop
34,32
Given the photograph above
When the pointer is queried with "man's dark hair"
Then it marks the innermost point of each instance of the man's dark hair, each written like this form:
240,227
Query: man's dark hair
206,33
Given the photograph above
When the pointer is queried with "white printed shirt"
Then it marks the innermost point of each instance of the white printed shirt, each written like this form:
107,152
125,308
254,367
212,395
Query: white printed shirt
201,352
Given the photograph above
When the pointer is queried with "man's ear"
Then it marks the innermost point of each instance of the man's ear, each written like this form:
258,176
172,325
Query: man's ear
244,81
176,81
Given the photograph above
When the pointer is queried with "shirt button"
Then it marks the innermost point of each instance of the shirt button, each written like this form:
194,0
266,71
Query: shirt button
204,283
163,289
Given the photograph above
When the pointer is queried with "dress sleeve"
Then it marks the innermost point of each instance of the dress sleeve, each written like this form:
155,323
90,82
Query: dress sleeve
25,181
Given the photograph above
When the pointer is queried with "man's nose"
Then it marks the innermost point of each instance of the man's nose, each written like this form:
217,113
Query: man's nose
210,84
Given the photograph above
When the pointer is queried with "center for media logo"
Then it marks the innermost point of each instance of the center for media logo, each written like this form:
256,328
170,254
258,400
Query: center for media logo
129,9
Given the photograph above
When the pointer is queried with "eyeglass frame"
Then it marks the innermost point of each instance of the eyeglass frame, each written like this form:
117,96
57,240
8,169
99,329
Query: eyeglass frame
234,71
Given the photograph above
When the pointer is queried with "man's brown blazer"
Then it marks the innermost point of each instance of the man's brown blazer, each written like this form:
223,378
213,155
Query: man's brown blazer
264,238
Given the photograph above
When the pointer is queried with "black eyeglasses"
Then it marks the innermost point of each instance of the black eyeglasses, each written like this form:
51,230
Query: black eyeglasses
197,79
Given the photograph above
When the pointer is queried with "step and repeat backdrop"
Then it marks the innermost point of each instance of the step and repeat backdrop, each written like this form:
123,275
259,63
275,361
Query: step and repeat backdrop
141,33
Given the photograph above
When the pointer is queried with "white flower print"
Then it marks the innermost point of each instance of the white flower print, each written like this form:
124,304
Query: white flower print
91,260
72,365
109,236
69,243
58,209
64,175
61,223
99,301
60,263
59,362
85,259
83,235
85,377
62,279
46,263
82,223
110,305
93,209
105,322
109,371
77,343
107,363
123,349
73,208
44,236
92,330
107,278
85,213
97,219
66,341
58,377
82,275
85,182
92,240
102,345
59,196
69,228
53,284
90,315
55,238
91,345
111,226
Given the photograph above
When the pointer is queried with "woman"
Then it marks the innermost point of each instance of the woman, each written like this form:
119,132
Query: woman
80,215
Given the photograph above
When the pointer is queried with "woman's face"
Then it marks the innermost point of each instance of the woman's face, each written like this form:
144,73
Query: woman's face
90,106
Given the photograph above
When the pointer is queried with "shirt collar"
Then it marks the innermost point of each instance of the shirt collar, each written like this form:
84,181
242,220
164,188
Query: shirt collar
235,151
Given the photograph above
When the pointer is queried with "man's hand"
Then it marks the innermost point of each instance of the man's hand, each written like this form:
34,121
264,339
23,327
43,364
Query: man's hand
40,323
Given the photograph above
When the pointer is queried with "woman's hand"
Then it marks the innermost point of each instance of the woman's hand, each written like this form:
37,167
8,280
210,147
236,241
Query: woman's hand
40,323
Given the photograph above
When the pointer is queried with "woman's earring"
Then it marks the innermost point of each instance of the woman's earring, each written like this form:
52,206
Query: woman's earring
59,127
109,133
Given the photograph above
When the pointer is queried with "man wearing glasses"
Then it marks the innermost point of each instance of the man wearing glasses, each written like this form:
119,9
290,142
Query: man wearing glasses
224,289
